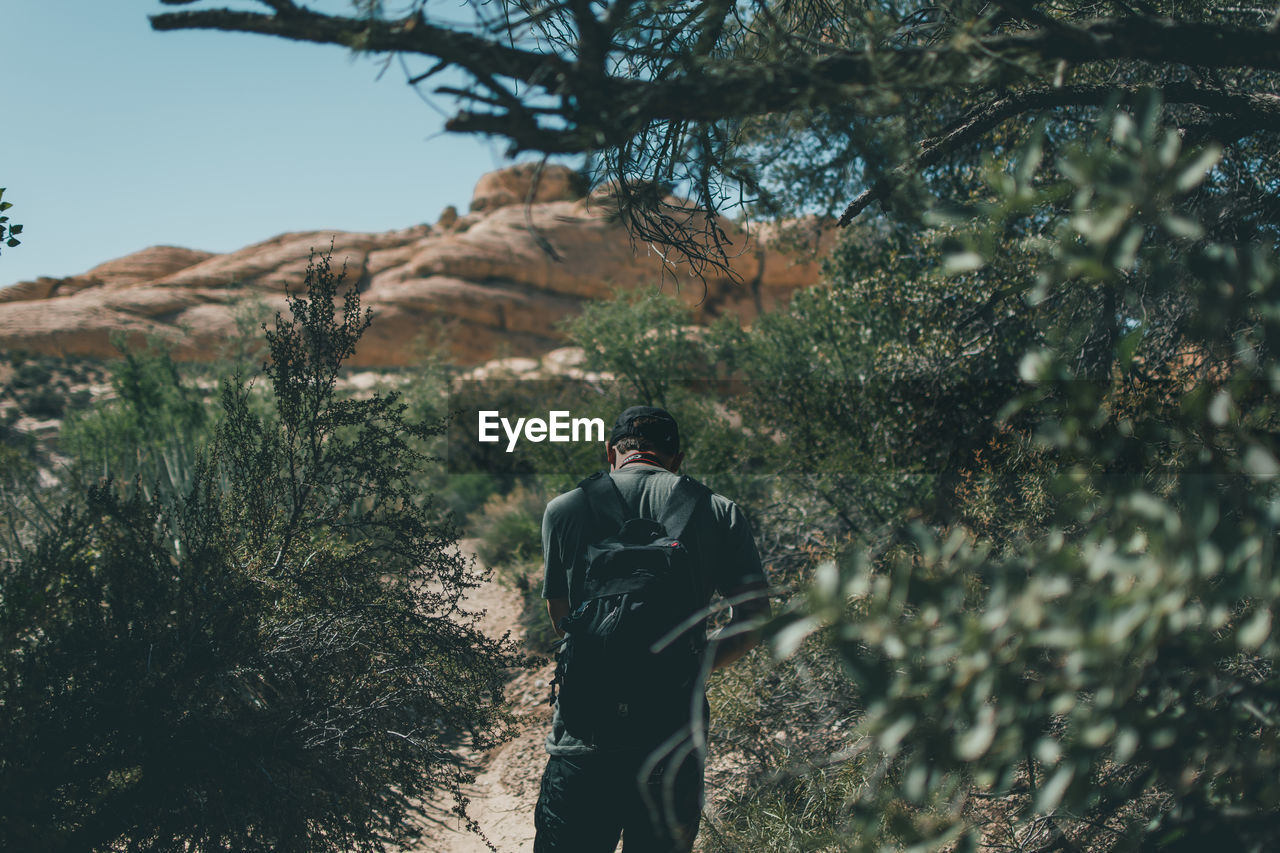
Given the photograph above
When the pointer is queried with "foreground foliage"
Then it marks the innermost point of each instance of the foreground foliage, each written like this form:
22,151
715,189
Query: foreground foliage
274,659
1105,673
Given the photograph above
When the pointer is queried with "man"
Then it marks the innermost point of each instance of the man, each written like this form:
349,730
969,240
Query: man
648,791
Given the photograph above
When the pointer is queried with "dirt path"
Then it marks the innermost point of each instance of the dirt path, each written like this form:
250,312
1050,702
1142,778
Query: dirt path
506,787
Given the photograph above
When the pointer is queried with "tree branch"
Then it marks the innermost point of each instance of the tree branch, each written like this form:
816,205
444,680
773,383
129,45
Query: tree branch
1246,113
410,35
730,89
568,61
524,132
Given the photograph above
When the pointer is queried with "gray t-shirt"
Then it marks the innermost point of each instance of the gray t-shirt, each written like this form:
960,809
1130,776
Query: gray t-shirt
718,536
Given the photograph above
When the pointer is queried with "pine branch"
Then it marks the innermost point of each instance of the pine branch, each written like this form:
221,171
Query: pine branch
731,89
409,35
1244,113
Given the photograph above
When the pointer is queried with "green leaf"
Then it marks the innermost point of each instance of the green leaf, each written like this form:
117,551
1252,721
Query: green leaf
1220,408
1181,226
891,737
974,743
1053,791
1259,463
1254,632
962,262
1032,155
1198,168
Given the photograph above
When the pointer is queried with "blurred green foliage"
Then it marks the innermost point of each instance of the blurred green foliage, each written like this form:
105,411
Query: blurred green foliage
1108,673
508,528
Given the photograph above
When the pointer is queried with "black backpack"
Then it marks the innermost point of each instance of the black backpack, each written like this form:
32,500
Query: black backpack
617,688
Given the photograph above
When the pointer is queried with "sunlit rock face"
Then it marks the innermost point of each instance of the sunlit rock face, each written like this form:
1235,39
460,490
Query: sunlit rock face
493,282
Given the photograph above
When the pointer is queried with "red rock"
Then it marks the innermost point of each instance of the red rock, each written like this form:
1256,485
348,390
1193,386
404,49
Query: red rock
496,281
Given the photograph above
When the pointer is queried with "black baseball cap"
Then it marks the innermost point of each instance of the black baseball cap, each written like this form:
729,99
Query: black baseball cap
657,427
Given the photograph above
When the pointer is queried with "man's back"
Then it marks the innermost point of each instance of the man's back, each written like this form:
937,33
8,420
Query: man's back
718,535
648,793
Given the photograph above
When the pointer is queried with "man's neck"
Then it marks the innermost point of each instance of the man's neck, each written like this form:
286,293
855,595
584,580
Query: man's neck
640,457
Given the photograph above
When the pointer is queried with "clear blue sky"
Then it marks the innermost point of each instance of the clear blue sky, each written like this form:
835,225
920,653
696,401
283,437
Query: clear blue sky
114,138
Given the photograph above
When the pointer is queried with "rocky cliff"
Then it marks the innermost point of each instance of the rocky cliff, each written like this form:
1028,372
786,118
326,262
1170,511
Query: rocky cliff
495,281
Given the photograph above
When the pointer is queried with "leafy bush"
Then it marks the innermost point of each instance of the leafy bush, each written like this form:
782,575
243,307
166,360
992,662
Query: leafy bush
152,430
31,374
275,658
775,727
45,403
463,494
641,337
1107,677
508,529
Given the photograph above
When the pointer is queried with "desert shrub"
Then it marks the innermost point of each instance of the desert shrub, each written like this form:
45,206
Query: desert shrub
508,528
151,430
805,808
275,658
1106,673
15,461
873,391
641,337
463,494
31,374
17,447
45,403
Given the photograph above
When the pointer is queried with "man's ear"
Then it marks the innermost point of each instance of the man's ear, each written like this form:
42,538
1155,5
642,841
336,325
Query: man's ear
674,467
610,454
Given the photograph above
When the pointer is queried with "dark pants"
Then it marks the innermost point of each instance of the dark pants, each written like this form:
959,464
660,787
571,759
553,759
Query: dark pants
588,801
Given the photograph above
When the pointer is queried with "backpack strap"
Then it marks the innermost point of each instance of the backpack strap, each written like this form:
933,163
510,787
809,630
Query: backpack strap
681,506
685,499
601,493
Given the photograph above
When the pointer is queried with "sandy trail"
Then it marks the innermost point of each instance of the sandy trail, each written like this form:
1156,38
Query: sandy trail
507,778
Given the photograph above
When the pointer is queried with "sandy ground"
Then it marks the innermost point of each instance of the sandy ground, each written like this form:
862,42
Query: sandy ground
506,787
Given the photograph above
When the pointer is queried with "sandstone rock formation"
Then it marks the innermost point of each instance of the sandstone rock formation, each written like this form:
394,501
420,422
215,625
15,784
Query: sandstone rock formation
493,282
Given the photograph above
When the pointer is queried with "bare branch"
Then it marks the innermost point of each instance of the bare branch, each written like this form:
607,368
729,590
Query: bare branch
524,133
410,35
